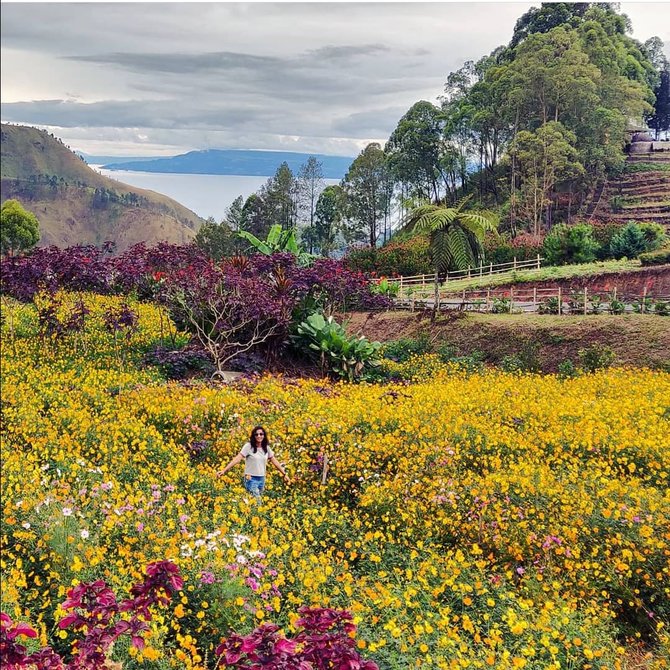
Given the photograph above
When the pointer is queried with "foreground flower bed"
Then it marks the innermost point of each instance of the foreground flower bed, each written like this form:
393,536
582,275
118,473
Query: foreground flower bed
482,520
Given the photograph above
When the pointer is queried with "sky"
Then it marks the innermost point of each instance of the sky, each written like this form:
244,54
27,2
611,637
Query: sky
157,79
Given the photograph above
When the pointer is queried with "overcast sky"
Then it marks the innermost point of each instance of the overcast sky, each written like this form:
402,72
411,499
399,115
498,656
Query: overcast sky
138,79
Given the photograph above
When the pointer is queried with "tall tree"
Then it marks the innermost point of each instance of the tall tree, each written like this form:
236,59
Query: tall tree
660,119
234,215
217,240
414,150
328,217
366,188
310,184
19,228
546,158
280,196
254,217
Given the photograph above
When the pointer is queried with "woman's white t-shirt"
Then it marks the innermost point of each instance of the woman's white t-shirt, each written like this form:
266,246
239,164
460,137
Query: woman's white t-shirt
255,463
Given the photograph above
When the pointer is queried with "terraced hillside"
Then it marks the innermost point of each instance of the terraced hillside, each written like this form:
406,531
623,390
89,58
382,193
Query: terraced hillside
641,193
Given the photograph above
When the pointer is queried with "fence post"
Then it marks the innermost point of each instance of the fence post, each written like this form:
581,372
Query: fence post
644,299
481,266
400,289
535,298
614,293
511,299
490,268
514,263
560,301
488,299
585,298
538,261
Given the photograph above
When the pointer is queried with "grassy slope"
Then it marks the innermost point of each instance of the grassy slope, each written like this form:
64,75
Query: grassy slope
543,274
66,216
637,339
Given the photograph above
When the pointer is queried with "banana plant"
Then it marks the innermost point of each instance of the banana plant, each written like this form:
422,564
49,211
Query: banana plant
278,240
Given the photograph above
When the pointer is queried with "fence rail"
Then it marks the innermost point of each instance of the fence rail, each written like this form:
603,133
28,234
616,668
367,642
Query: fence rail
427,281
541,300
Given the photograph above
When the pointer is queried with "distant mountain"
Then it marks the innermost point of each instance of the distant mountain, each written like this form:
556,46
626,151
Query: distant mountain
108,160
76,205
235,162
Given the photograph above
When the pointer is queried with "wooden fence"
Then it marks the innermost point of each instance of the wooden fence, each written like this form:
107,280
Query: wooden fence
425,283
534,300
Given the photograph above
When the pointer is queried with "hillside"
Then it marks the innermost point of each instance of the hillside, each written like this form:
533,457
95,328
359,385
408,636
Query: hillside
639,340
76,205
641,193
233,162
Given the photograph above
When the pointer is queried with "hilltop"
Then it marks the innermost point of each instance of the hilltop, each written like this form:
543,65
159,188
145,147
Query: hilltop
235,162
76,205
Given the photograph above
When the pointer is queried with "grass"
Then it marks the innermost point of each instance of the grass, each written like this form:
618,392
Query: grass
632,168
542,274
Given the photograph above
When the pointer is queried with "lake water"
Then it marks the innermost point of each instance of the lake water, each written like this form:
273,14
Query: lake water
205,194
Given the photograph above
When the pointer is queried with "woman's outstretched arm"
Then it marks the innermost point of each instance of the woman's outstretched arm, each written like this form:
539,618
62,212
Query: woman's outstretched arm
279,467
238,459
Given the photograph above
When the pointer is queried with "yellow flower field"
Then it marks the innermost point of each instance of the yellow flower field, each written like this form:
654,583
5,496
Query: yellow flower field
483,520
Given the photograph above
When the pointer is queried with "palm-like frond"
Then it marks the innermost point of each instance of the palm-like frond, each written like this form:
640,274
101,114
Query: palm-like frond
456,236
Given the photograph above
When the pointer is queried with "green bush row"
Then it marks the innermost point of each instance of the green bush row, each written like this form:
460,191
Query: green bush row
658,257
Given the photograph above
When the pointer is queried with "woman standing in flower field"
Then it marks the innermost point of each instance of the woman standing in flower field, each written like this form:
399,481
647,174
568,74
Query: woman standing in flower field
256,453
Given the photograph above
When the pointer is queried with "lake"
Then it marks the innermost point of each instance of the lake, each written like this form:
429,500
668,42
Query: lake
205,194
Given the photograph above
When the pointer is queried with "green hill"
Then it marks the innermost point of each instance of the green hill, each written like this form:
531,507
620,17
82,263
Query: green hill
76,205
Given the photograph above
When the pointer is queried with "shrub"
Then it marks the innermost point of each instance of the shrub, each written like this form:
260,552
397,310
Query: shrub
177,364
549,305
567,369
570,244
325,640
346,356
659,257
654,235
629,242
406,257
504,249
603,234
501,306
596,357
662,308
615,305
525,360
400,350
616,203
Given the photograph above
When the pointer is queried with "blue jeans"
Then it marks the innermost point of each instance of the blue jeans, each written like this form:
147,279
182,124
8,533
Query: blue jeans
255,485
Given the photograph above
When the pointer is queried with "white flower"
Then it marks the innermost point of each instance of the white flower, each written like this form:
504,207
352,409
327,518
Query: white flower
67,511
84,534
26,525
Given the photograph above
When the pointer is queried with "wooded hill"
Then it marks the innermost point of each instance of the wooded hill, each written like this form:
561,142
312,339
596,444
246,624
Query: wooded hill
76,205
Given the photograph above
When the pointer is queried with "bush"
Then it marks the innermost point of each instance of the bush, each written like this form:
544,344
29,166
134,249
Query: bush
659,257
596,357
401,350
501,306
346,356
571,244
407,257
662,308
629,242
549,306
654,235
504,249
603,234
567,369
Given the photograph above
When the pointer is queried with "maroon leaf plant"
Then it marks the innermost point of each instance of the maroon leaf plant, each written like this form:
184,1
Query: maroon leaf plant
94,611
